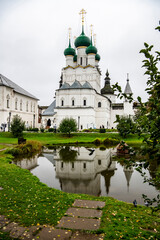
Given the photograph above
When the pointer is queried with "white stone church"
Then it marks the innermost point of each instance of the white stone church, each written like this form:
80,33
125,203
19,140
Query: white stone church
80,95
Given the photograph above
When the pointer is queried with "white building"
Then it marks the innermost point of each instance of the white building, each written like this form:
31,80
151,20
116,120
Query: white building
80,95
15,100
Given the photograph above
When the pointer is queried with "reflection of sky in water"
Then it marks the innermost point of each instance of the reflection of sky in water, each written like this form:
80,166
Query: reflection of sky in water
45,171
119,189
94,180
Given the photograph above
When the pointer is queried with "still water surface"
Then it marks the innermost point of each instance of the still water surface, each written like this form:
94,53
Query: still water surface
89,171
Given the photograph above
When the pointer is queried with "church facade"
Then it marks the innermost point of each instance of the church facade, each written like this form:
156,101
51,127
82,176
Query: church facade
80,95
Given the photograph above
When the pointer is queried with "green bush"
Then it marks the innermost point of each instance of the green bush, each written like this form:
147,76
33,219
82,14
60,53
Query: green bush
51,130
125,125
102,130
68,125
109,141
29,148
17,126
97,142
42,130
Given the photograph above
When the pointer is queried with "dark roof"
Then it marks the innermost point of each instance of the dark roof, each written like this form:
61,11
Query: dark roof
8,83
76,84
50,110
65,86
86,85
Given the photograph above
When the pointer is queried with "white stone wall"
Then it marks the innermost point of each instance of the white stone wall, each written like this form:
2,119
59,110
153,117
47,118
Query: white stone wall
30,117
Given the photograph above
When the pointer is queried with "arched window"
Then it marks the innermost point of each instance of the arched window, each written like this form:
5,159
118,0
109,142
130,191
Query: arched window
99,104
16,103
62,102
81,61
8,97
27,106
84,102
21,105
31,107
73,101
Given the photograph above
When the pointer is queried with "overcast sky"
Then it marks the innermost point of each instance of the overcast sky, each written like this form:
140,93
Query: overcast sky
34,34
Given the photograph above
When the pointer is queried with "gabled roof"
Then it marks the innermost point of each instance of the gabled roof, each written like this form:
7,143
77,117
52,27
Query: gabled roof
128,88
8,83
76,84
86,85
50,110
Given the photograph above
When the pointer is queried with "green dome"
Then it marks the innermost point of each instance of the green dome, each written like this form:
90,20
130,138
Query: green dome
75,58
69,50
97,57
91,49
82,40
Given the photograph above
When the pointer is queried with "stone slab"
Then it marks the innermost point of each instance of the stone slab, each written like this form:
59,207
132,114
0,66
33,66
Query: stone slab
79,223
83,212
17,232
9,227
3,221
86,236
50,233
30,232
88,204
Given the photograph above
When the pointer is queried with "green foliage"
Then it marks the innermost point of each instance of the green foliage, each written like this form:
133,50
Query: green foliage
68,125
125,125
17,126
102,130
50,129
97,141
30,148
110,141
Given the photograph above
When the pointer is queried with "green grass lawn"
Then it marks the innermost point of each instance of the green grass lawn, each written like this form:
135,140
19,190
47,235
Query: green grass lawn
26,200
52,138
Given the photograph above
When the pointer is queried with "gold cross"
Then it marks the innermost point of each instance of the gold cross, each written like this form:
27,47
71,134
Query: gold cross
82,12
94,39
69,31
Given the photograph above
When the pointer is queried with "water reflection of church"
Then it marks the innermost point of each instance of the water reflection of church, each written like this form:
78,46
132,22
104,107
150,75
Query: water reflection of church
83,174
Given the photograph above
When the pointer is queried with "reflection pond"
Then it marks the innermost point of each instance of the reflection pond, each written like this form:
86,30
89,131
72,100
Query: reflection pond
90,171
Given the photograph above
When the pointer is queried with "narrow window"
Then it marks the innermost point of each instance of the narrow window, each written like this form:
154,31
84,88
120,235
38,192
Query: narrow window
99,162
7,103
21,106
27,107
31,107
84,165
72,165
61,164
62,103
72,102
16,105
86,61
81,61
84,102
99,104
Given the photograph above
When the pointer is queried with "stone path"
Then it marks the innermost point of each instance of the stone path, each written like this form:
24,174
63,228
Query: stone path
83,215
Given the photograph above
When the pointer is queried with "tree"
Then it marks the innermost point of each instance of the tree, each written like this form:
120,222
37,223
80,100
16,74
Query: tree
148,118
17,126
125,125
68,125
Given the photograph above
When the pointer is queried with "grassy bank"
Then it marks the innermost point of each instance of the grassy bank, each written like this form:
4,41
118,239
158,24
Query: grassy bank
26,200
52,138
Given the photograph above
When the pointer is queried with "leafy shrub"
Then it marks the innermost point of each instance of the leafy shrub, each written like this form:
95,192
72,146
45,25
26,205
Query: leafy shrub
97,141
17,126
102,130
110,141
125,125
42,130
68,125
29,148
50,129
